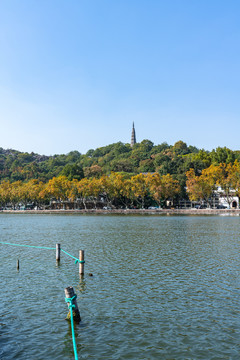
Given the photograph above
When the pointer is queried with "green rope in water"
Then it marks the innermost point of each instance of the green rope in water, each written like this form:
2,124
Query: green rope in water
71,306
76,259
31,246
44,247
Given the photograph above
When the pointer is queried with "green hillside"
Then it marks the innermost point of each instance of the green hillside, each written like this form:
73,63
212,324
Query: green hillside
143,157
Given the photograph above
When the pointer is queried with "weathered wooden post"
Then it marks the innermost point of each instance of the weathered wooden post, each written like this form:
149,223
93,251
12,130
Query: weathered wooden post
81,264
70,294
17,264
58,251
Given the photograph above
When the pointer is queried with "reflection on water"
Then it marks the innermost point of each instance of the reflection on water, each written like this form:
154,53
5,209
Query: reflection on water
163,287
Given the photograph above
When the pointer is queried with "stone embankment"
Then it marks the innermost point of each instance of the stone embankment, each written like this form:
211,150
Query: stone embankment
131,211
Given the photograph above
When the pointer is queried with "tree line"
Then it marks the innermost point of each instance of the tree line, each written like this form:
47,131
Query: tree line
113,190
123,189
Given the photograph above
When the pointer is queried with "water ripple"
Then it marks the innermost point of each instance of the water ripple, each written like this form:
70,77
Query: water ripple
162,287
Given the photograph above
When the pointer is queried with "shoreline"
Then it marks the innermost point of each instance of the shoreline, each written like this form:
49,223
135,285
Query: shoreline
131,211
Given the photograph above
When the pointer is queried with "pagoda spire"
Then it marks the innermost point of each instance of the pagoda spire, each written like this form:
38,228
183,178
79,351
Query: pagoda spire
133,137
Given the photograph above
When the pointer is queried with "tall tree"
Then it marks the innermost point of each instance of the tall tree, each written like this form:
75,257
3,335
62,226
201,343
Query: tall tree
228,178
163,187
139,188
201,187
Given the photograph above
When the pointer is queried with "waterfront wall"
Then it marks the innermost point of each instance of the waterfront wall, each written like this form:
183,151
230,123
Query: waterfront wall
131,211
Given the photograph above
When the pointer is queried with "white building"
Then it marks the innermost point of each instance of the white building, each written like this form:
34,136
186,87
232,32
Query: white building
229,202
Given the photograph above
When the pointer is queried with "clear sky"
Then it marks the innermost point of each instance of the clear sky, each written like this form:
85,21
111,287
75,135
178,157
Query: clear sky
75,74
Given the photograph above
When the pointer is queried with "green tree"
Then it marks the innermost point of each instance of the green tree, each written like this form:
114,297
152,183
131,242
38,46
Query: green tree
222,155
72,172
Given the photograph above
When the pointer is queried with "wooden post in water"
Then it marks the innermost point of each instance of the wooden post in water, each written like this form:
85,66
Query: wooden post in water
81,265
58,251
69,293
17,264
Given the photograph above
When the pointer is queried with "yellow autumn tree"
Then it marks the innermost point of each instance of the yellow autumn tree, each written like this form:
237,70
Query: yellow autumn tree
59,188
154,183
201,187
73,193
83,190
121,188
34,188
95,188
15,193
139,188
107,189
5,192
163,187
228,178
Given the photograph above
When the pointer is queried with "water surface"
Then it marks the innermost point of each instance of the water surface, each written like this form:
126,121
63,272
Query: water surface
163,287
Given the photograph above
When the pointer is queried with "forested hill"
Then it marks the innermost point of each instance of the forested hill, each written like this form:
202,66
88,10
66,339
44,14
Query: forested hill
143,157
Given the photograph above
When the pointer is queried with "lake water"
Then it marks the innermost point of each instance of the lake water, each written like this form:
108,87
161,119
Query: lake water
163,287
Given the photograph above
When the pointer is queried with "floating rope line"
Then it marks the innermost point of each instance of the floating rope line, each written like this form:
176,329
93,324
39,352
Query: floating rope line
46,248
76,259
31,246
68,300
71,306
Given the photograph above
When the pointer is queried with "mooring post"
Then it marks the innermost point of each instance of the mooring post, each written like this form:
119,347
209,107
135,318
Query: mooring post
70,294
81,264
58,251
17,264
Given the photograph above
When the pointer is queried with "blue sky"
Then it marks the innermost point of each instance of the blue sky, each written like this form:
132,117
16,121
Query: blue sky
75,74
